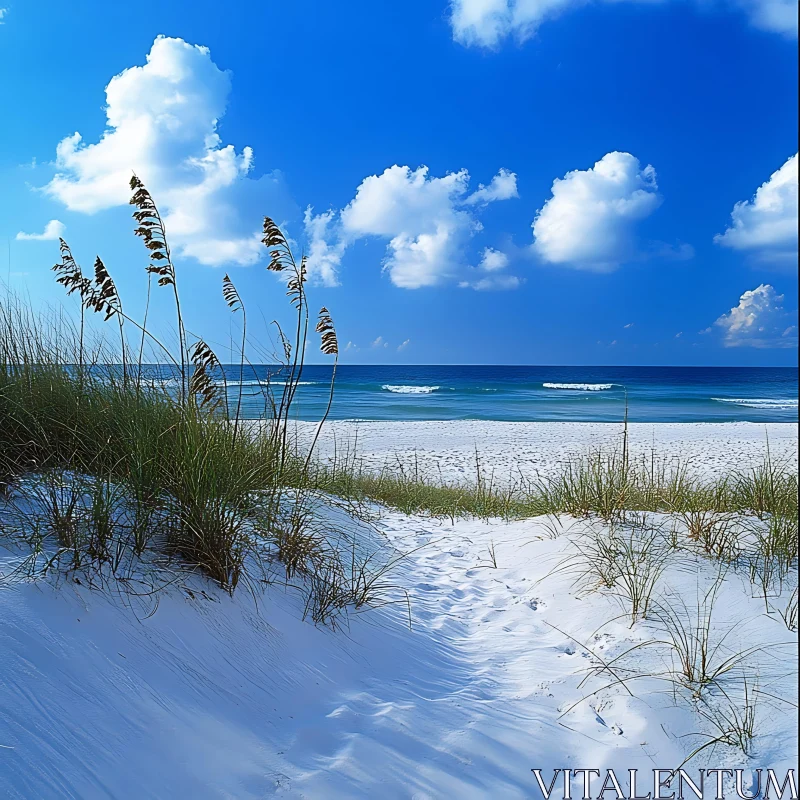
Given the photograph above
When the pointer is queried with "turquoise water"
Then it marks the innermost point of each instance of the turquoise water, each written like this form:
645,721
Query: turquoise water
655,394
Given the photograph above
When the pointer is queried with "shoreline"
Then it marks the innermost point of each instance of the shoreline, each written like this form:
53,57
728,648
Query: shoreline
447,450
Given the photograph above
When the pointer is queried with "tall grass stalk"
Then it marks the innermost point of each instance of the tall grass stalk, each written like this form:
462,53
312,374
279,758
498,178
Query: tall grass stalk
107,468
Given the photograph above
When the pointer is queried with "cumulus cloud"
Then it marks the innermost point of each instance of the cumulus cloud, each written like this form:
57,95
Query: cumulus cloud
427,221
489,273
380,342
488,23
759,320
766,225
589,222
324,252
162,124
52,231
3,12
493,260
502,187
403,345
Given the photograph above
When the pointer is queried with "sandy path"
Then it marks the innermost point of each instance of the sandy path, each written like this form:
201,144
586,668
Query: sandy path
493,677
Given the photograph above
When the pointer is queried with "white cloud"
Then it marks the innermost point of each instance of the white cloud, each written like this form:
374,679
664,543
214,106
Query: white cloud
766,225
589,222
489,273
323,257
52,231
162,124
502,187
428,222
679,334
488,23
759,320
3,12
629,325
380,342
403,346
493,260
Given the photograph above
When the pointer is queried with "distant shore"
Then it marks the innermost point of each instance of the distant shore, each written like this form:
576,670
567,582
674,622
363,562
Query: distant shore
447,449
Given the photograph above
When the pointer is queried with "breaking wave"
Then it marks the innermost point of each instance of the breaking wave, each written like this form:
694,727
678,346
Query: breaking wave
234,383
579,387
411,389
759,402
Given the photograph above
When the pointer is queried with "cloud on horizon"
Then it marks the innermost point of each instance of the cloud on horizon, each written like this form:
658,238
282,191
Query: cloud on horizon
759,320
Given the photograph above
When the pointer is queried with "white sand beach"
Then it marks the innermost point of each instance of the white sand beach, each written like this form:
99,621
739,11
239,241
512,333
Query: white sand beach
493,657
508,450
498,670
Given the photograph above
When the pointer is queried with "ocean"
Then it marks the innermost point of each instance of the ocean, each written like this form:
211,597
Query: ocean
518,393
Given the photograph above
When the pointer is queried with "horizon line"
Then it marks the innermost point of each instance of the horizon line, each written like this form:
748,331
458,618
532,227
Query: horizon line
547,366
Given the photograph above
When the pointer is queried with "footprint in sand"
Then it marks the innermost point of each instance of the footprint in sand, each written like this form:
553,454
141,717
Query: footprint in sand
602,640
471,573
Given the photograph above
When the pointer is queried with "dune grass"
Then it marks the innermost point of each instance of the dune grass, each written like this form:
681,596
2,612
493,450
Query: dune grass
101,464
600,485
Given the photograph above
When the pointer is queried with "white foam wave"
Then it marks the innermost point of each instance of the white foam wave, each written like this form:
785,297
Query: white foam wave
230,383
579,387
411,389
234,383
760,402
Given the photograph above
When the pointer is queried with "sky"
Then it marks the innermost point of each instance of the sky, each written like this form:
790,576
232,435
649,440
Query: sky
472,181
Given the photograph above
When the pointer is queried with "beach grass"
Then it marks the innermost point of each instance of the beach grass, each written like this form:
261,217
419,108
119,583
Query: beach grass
600,484
101,464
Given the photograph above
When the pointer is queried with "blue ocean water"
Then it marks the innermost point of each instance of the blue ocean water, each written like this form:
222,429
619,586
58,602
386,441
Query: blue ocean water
516,393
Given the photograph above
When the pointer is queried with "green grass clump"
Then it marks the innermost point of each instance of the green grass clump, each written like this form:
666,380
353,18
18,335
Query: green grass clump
107,465
600,484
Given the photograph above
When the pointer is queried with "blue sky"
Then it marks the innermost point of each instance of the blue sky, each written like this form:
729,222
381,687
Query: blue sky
407,148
